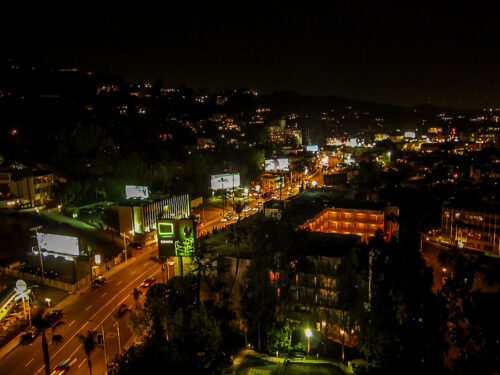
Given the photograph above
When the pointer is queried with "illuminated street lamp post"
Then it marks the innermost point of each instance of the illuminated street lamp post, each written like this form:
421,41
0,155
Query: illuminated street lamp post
308,335
342,338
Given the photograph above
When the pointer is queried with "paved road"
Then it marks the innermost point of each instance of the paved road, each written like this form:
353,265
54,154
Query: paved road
88,311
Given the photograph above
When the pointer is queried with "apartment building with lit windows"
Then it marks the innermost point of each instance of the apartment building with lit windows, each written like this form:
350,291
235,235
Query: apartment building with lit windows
472,225
33,188
360,218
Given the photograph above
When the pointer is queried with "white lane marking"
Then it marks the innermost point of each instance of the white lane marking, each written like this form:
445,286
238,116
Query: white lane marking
80,365
145,264
70,324
118,283
88,307
27,364
132,273
104,295
92,317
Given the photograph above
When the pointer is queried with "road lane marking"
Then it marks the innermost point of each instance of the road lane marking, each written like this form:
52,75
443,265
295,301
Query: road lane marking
118,283
132,273
27,364
145,264
70,324
111,300
80,365
104,295
88,308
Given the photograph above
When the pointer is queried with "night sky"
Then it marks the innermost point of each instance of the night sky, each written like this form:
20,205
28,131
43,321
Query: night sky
402,52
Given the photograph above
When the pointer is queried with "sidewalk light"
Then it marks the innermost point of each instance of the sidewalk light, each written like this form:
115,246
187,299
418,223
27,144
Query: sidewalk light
308,335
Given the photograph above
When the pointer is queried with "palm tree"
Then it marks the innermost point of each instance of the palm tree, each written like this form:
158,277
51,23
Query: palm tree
89,344
43,324
136,293
238,208
237,235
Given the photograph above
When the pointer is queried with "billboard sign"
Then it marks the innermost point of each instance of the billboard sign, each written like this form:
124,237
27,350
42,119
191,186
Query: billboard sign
225,181
132,191
176,237
277,164
184,244
410,135
312,148
166,236
58,244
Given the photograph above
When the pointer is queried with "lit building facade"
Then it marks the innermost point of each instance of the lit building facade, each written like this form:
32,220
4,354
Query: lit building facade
36,188
138,217
471,225
356,221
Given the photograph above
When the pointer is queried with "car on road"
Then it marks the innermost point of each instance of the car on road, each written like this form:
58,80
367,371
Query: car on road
63,367
223,220
148,282
98,281
28,337
54,316
135,245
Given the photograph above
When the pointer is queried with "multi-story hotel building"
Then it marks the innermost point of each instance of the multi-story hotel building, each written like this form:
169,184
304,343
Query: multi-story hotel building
363,222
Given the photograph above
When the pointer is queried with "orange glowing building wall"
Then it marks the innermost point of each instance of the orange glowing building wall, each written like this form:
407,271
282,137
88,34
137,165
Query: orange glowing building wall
360,222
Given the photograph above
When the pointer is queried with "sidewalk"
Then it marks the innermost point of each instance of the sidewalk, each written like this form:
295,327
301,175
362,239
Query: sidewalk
14,342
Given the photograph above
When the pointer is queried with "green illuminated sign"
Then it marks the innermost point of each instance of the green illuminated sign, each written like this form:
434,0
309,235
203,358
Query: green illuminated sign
176,237
166,229
184,244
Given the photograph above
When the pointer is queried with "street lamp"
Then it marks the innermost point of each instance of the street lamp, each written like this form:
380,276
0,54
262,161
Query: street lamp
308,335
342,336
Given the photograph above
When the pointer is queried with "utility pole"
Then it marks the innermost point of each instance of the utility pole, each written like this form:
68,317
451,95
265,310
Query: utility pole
223,195
233,190
36,229
104,344
118,333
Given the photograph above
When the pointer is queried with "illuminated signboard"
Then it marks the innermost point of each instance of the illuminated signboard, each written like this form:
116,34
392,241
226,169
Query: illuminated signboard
184,244
176,237
276,164
136,192
225,181
312,148
58,244
166,237
410,135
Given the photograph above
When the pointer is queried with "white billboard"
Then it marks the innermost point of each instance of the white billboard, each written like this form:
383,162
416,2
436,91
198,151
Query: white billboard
225,181
312,148
410,135
58,244
136,192
276,164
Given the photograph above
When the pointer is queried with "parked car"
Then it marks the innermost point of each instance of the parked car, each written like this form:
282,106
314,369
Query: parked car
28,337
135,245
98,281
54,316
148,282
